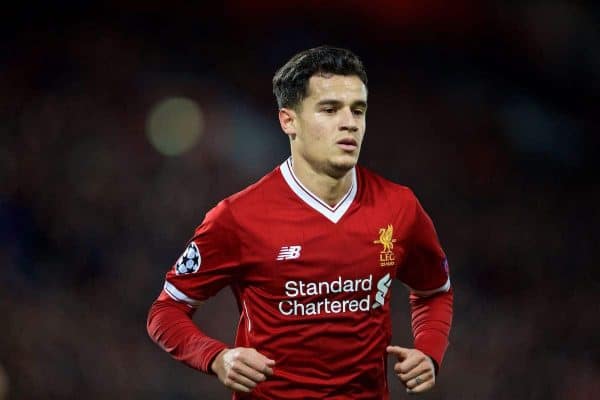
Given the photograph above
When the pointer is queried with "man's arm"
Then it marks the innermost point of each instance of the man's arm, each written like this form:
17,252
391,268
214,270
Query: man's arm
170,325
211,261
427,275
431,321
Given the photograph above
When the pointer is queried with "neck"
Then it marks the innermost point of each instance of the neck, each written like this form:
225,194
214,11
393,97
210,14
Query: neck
330,189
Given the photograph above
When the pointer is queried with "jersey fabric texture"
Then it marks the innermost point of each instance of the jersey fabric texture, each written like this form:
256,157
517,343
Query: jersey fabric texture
313,283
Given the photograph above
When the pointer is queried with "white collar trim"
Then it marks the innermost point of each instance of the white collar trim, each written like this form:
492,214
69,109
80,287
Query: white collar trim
331,213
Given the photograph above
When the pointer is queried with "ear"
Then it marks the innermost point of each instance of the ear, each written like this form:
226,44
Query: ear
287,120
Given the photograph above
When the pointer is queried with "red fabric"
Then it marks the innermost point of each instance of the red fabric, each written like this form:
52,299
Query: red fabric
425,268
170,325
431,321
313,293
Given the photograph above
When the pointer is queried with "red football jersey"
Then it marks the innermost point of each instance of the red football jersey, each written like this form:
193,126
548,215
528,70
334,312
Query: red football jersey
313,281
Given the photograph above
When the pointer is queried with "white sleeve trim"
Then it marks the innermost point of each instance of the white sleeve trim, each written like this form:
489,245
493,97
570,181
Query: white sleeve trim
426,293
178,295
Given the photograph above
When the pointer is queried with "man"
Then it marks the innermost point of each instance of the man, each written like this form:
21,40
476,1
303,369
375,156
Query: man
310,251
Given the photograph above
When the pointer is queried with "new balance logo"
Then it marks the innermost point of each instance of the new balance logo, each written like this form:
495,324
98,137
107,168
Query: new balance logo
289,252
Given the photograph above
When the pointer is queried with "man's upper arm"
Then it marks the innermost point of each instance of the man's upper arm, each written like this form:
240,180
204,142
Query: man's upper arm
425,270
210,261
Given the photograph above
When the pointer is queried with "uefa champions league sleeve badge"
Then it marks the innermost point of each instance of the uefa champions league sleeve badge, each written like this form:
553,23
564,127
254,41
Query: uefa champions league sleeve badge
189,262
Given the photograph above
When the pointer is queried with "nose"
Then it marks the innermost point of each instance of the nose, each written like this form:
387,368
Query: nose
347,120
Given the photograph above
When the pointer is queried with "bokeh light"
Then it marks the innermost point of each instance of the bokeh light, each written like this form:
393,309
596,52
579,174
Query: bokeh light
174,125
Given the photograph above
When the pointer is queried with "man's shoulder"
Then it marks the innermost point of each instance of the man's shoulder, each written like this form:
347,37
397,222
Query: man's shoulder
376,184
248,201
255,194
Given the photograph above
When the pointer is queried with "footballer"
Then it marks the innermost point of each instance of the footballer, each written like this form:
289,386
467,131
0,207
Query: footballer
310,251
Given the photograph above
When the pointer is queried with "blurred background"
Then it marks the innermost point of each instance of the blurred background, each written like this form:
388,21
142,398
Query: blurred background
122,125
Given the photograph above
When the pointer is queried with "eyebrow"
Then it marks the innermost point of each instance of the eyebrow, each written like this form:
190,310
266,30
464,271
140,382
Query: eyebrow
358,103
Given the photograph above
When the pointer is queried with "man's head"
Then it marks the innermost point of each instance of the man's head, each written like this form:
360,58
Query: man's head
322,98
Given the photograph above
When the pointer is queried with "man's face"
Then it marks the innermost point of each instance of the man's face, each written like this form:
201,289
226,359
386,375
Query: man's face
330,123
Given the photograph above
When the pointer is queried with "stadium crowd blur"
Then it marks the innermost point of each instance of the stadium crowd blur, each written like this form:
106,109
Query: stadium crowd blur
489,112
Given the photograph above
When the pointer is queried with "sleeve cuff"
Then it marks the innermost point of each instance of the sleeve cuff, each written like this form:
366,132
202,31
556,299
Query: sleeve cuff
208,354
434,345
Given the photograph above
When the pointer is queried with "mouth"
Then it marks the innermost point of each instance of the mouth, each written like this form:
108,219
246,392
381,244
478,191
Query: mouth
347,144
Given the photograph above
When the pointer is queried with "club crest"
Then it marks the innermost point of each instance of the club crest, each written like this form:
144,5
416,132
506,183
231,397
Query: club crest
386,256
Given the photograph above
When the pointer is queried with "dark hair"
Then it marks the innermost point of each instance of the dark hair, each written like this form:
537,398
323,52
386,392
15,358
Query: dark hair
290,83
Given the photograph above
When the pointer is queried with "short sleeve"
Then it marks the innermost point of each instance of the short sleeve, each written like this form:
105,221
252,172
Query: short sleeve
425,270
210,261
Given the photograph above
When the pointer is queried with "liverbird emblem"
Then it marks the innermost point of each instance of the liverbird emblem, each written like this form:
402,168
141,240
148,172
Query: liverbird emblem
386,256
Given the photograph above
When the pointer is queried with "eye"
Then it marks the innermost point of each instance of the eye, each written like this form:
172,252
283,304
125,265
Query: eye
358,111
329,110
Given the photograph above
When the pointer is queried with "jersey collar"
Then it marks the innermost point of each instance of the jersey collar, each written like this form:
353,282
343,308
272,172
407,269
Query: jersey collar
331,213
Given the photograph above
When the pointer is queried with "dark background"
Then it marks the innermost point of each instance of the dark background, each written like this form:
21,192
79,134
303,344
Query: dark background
489,111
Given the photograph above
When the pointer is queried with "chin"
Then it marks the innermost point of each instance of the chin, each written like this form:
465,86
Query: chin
344,163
